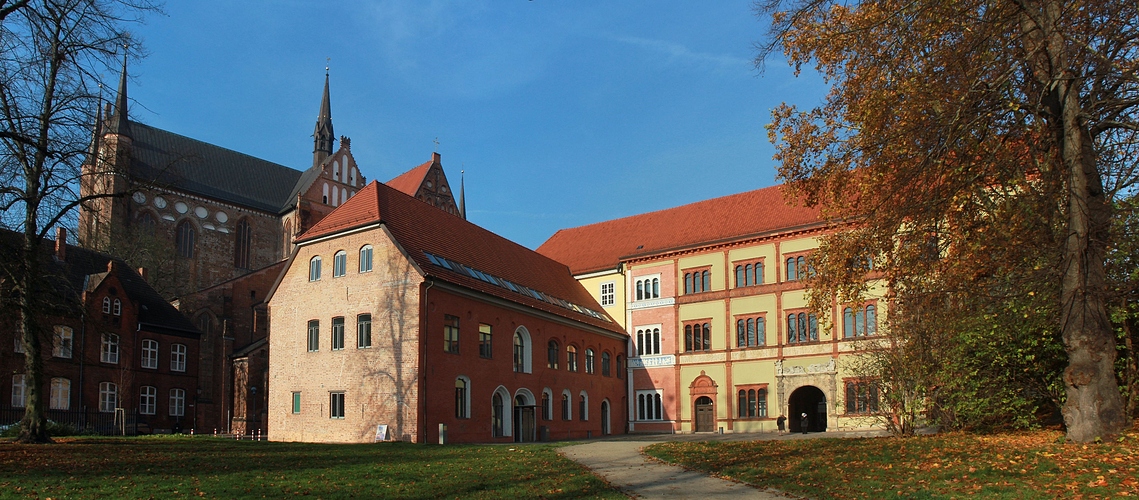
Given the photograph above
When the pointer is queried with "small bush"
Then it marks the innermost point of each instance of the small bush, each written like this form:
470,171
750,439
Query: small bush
54,429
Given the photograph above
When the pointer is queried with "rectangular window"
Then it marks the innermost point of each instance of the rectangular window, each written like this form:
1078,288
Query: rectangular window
148,400
149,353
108,397
19,391
61,347
752,402
296,402
698,280
313,335
648,340
647,287
178,358
19,346
109,349
450,334
337,333
649,405
336,405
484,340
363,331
861,397
177,402
605,364
60,394
698,336
608,297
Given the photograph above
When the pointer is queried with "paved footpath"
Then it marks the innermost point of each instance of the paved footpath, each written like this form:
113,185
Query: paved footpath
621,463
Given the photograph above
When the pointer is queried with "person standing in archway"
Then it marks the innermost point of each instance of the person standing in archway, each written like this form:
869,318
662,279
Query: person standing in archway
805,423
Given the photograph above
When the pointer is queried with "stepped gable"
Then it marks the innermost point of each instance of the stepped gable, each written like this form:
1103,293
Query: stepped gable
420,228
602,246
166,159
409,182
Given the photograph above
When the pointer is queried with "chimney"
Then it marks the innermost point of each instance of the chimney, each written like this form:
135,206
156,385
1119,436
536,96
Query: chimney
435,157
142,272
111,266
61,243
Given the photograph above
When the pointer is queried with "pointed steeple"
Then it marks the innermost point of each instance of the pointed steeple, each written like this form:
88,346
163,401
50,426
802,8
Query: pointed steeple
463,194
96,134
118,123
322,136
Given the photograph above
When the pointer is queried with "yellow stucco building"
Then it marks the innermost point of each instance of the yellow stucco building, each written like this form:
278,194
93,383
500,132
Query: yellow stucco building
713,298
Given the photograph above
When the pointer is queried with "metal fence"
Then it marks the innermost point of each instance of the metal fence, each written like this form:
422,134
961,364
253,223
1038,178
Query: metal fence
86,421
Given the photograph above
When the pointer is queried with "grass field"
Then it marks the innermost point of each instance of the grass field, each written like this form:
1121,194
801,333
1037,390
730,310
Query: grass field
204,467
1021,465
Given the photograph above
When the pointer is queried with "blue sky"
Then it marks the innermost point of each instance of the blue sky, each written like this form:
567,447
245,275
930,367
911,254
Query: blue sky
562,113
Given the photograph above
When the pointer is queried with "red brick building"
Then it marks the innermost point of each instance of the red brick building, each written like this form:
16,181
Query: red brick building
395,312
114,344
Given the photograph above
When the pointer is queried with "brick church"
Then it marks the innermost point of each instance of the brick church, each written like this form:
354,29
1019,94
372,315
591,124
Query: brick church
213,228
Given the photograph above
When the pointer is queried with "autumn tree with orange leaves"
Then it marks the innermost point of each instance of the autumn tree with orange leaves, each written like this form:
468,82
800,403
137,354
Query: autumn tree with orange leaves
977,147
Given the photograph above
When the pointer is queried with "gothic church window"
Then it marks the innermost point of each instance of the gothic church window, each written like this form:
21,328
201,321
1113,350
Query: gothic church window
243,245
184,239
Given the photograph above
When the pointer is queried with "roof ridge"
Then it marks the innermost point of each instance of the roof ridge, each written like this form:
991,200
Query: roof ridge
199,141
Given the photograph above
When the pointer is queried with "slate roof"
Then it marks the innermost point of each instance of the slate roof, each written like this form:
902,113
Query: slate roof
602,246
408,182
84,269
421,229
166,159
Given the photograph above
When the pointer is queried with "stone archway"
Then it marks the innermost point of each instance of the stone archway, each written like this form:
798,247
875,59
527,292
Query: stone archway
812,401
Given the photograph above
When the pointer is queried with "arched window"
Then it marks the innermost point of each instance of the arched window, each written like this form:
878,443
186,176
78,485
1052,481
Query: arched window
583,406
366,258
106,305
571,358
547,405
758,274
242,245
314,269
462,398
339,264
552,355
687,282
117,308
848,322
706,277
589,361
656,288
792,270
146,224
567,411
761,403
605,364
640,290
859,321
60,394
620,367
497,413
108,397
184,239
522,350
741,279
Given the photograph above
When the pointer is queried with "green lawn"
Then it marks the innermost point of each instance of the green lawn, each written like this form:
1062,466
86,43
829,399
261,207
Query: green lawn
1020,465
168,467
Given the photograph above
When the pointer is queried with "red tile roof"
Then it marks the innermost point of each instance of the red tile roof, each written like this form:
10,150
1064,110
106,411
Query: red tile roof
602,246
421,228
408,182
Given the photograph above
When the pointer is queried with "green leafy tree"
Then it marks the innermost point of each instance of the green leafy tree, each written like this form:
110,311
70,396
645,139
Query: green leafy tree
972,142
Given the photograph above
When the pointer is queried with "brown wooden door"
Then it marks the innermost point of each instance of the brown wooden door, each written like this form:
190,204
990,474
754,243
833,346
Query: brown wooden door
524,430
705,415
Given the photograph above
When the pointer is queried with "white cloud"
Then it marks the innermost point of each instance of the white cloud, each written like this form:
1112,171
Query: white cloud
679,53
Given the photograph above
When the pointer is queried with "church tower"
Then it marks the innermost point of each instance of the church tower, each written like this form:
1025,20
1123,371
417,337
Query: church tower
322,136
104,174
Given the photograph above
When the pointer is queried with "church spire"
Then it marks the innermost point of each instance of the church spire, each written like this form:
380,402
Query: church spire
322,136
463,194
118,122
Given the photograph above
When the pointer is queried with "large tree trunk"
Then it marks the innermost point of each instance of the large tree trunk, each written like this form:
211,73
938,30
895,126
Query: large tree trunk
34,425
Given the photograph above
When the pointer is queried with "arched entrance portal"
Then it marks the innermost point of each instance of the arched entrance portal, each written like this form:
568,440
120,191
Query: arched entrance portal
705,415
524,428
810,400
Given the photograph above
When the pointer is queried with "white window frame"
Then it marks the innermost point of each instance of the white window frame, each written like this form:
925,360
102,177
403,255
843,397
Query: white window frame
108,397
608,293
63,342
19,391
177,357
149,353
177,402
646,282
109,348
654,408
339,264
60,396
366,252
118,308
314,268
651,347
148,400
332,406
